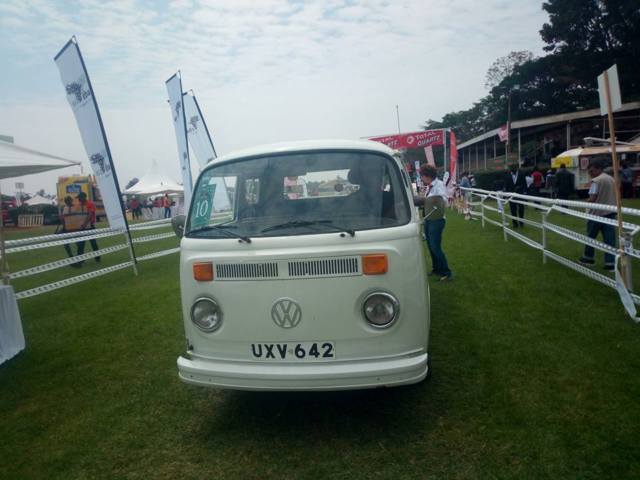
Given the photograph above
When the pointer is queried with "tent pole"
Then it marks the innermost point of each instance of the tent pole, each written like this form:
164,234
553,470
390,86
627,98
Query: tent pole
4,270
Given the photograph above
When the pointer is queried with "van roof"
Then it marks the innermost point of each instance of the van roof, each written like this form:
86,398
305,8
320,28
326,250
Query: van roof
306,145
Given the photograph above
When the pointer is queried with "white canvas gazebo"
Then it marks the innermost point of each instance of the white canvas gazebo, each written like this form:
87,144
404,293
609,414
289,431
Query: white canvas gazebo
154,182
16,161
38,200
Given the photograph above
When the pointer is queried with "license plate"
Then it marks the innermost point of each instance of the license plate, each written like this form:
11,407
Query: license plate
295,351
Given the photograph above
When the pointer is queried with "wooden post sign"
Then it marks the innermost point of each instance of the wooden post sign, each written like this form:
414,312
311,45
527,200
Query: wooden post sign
611,101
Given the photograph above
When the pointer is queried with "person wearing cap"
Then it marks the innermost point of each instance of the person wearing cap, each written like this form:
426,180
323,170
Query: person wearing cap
434,222
89,223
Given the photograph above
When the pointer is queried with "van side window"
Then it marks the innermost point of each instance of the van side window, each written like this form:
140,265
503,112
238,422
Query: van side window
252,191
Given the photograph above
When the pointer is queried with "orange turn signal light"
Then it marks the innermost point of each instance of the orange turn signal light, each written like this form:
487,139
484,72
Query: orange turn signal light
375,264
203,272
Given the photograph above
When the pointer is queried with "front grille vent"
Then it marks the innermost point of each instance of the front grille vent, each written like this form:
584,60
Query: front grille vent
245,271
326,267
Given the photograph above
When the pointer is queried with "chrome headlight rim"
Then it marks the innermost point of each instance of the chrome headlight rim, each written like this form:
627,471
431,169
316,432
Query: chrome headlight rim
396,307
220,315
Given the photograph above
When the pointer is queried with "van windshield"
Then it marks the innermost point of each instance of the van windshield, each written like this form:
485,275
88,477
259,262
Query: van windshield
298,194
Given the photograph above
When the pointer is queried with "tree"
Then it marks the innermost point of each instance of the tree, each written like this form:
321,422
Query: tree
504,67
583,37
131,183
597,34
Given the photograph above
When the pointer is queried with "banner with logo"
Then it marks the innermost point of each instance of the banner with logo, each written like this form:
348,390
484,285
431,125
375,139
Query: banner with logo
197,131
81,97
174,89
421,139
202,146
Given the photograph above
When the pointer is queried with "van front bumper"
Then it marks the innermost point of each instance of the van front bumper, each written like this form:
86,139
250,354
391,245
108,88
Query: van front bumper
346,375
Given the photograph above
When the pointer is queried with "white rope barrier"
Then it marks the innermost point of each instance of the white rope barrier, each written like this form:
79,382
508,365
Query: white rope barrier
595,218
58,236
505,196
71,281
67,261
151,238
64,241
55,240
566,207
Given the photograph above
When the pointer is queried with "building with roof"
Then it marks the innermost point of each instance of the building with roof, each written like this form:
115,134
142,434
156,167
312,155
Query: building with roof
534,141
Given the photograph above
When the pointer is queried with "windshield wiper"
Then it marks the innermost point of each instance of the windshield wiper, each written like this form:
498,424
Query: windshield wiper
309,223
222,228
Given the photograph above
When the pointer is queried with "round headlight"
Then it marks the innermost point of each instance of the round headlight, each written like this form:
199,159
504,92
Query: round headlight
206,314
380,309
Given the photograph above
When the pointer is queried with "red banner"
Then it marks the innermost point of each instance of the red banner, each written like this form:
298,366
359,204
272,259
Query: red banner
503,133
421,139
453,158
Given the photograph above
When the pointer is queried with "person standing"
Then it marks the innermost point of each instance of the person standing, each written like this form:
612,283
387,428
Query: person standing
134,206
166,203
603,191
67,212
565,182
537,182
550,183
88,207
434,222
514,182
626,178
466,194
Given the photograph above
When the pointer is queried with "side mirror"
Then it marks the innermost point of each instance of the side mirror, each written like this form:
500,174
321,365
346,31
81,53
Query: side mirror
177,223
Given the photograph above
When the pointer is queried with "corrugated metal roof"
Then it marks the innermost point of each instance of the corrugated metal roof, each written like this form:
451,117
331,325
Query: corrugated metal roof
549,119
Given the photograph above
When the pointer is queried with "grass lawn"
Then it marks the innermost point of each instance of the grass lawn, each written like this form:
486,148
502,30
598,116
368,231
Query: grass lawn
535,375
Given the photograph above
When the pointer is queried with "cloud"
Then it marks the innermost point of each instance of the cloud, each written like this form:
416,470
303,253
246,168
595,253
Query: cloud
275,68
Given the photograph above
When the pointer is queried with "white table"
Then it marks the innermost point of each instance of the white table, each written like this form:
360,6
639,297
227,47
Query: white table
11,335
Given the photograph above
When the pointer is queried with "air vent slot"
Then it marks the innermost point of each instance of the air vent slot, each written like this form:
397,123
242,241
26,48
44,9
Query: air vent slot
246,271
325,267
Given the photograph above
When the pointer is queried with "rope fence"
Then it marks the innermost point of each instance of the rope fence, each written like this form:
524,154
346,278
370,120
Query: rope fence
480,204
61,239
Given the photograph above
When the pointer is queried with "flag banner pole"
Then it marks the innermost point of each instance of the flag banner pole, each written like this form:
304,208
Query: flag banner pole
197,134
4,266
83,103
202,146
453,164
206,129
444,158
616,176
174,89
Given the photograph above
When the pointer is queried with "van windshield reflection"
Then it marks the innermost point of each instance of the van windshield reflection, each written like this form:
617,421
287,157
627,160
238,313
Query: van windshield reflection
298,194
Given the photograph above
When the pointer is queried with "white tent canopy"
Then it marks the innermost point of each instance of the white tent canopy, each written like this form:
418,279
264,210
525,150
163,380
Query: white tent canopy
39,200
154,182
16,161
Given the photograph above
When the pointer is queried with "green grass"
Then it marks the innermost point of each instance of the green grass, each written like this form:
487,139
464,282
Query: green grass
535,375
561,245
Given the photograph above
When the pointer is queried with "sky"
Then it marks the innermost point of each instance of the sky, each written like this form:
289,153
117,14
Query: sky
263,71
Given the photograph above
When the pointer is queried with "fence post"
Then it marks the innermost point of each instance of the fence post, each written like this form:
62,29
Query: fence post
544,234
504,223
627,245
482,199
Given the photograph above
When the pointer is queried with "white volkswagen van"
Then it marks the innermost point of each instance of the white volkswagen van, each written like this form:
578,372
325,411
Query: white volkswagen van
302,268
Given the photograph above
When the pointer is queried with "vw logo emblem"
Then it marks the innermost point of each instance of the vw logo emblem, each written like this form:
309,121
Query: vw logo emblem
286,313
